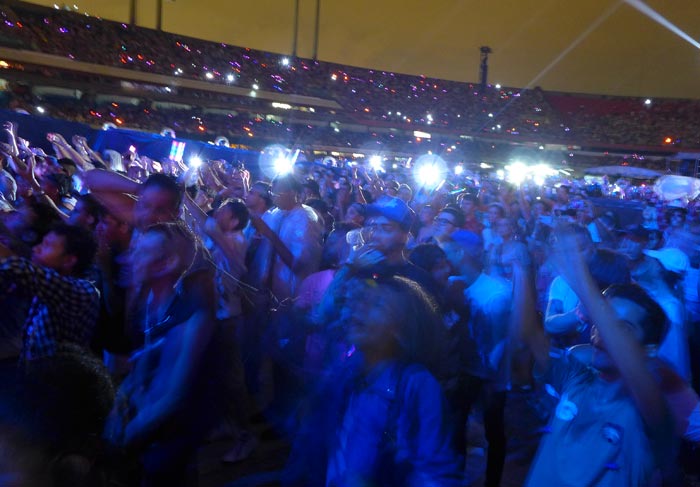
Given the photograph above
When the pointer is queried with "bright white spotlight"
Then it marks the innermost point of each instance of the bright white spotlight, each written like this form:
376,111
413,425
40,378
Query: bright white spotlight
501,174
40,110
209,75
498,87
255,86
283,165
428,176
285,61
275,160
430,171
195,161
230,78
517,172
375,162
459,169
647,102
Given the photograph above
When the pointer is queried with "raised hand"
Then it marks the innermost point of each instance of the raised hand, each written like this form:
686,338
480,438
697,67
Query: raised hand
27,173
23,144
568,255
79,141
55,138
10,128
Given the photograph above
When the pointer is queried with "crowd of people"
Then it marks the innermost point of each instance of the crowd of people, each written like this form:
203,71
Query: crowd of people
378,98
149,307
361,313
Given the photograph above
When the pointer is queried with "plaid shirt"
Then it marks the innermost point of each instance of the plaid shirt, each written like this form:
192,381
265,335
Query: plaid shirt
63,309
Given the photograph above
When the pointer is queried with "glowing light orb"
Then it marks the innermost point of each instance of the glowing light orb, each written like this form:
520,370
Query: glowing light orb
276,160
376,163
429,171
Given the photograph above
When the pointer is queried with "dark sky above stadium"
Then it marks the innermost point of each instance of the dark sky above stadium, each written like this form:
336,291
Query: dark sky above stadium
590,46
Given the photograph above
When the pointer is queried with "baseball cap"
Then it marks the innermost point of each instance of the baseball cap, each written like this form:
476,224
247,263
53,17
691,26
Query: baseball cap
394,209
674,260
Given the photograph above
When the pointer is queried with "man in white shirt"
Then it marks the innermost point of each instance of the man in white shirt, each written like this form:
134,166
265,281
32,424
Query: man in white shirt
486,369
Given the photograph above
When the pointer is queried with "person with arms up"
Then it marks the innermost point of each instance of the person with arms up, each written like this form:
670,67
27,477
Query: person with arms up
612,425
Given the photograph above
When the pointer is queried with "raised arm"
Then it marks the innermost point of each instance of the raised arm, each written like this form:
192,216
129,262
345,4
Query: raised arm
64,149
81,145
624,349
114,191
11,130
524,322
27,173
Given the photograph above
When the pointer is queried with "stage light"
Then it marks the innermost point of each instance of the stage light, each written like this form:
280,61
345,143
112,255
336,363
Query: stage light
255,86
430,171
647,102
40,110
209,76
517,172
195,161
276,160
375,162
230,78
668,140
498,87
459,169
285,61
283,166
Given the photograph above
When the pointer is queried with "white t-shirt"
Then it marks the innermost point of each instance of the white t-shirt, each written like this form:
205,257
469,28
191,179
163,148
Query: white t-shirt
674,348
560,290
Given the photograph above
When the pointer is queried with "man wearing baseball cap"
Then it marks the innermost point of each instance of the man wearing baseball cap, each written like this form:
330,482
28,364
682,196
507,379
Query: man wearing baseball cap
661,274
387,223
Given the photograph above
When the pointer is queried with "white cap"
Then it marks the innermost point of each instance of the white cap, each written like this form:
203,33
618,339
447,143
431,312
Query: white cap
674,260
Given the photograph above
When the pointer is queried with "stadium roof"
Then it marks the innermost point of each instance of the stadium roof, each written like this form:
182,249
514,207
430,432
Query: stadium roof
625,47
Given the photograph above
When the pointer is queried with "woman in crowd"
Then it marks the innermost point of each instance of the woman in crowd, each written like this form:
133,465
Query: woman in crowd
379,420
170,399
